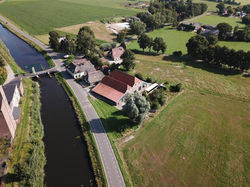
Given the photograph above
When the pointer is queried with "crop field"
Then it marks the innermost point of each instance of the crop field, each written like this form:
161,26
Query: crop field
201,137
41,16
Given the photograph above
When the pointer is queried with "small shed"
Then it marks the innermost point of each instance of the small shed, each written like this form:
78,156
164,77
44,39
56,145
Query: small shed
151,88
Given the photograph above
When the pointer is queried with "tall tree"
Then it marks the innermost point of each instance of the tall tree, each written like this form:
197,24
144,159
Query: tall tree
136,107
54,40
159,45
68,45
85,41
144,41
196,46
224,30
138,27
128,60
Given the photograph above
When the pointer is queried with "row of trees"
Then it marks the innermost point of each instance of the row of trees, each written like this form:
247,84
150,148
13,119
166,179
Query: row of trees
85,44
226,32
157,44
200,48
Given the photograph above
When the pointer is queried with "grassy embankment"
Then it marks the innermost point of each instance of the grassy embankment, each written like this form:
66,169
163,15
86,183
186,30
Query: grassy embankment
115,124
6,58
89,138
28,146
200,137
32,44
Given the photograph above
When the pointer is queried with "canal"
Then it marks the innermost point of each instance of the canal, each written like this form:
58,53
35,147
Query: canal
68,162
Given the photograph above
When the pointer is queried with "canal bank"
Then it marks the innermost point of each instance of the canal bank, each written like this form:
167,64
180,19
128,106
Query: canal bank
64,144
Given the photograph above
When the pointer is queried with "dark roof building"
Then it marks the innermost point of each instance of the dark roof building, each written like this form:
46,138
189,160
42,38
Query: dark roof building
79,68
94,77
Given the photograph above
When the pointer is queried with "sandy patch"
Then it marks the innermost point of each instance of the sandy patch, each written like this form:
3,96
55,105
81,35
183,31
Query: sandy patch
101,32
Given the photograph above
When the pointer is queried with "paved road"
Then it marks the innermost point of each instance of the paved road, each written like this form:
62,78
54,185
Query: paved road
110,164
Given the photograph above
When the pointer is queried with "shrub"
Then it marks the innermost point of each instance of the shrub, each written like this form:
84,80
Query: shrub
139,76
175,88
148,79
3,75
177,53
107,46
155,105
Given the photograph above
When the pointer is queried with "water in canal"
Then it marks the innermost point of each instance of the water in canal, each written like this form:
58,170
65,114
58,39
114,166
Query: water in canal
68,162
25,56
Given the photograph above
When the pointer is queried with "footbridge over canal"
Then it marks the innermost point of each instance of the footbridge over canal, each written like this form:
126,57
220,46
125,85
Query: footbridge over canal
37,74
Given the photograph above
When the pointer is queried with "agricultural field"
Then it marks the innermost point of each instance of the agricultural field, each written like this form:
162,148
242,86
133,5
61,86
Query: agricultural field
50,14
200,138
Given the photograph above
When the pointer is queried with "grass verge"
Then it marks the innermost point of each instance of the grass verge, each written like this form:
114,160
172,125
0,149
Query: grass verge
115,123
93,151
6,58
28,146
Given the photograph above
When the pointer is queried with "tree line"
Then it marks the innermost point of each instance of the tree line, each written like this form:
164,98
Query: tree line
170,11
199,47
157,44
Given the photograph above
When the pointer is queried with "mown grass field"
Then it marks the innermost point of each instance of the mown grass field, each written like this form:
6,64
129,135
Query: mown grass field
41,16
175,40
215,19
201,137
212,5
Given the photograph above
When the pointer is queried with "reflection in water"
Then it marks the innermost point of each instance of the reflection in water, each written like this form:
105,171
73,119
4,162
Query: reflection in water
25,56
68,163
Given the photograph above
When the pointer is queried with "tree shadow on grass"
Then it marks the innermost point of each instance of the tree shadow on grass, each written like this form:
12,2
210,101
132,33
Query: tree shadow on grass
112,124
146,53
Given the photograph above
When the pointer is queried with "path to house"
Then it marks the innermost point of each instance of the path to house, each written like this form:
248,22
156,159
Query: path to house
110,164
194,18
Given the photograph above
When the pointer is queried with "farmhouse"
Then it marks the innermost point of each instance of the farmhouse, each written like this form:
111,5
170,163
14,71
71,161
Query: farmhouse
114,86
116,53
80,67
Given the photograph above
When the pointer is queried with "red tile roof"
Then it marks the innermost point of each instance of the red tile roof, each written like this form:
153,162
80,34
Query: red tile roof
117,52
114,86
124,77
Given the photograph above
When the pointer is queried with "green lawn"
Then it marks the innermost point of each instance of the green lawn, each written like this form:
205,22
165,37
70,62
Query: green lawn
175,40
115,123
201,137
42,16
236,45
212,5
214,20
